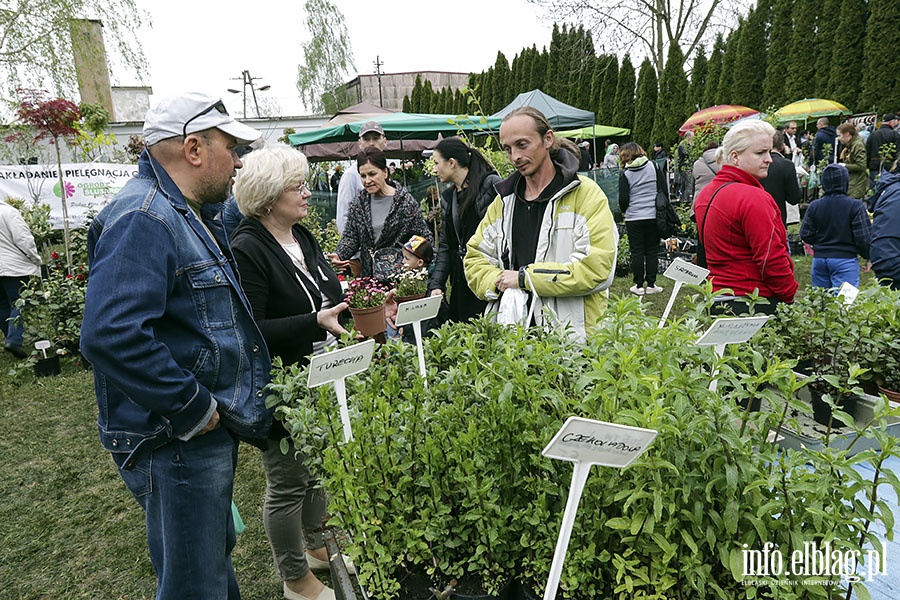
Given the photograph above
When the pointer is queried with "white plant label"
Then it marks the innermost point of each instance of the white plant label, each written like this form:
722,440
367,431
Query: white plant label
598,443
587,442
331,366
732,330
685,272
418,310
848,291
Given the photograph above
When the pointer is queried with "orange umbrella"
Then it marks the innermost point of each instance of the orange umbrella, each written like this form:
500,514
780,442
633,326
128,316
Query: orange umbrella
721,113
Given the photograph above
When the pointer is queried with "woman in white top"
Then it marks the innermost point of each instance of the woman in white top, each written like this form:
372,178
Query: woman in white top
19,260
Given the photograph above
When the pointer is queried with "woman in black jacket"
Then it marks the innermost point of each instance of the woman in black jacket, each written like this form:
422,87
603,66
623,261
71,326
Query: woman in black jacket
464,204
296,300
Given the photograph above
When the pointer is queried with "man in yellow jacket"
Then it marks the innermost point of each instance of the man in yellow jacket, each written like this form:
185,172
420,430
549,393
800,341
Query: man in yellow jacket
550,231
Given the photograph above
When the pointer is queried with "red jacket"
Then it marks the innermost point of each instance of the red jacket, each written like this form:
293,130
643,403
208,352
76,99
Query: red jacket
745,241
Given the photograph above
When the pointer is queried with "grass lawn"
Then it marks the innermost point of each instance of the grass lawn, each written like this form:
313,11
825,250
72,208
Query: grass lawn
69,529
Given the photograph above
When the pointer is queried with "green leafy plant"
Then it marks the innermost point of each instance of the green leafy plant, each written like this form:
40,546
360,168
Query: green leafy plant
427,487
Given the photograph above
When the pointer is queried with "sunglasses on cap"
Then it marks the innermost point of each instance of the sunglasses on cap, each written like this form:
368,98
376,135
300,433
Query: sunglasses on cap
219,106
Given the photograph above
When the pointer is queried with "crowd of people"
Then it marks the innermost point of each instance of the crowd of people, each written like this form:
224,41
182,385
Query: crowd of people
182,338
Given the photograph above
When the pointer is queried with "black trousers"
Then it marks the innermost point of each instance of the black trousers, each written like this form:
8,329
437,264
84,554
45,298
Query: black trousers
643,242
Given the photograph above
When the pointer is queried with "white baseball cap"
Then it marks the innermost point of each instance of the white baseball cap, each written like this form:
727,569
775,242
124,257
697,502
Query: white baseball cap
192,112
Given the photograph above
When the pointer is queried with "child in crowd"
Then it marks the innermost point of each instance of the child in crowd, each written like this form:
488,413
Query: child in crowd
838,229
418,254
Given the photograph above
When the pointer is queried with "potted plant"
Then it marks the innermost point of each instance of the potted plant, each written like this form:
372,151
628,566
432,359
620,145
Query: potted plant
448,482
366,297
411,284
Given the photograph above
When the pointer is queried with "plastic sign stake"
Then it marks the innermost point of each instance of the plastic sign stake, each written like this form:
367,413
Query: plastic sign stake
335,367
586,442
729,330
416,311
681,272
42,345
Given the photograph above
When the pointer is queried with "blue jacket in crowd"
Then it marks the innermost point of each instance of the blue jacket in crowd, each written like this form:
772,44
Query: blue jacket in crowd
166,325
885,249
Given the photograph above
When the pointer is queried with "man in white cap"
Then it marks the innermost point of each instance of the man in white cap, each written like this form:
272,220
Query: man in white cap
370,134
179,364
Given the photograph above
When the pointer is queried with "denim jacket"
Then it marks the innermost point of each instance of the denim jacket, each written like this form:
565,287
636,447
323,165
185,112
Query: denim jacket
166,325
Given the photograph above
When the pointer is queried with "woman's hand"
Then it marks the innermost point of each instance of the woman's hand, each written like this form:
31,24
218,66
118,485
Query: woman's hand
437,292
337,262
328,319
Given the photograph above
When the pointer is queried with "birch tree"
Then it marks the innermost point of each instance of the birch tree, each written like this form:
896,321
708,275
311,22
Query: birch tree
327,59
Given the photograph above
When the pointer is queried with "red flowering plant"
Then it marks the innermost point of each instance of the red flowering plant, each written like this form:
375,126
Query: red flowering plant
365,292
52,307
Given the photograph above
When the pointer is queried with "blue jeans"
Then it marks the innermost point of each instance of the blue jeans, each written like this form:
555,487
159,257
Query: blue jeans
185,490
9,293
833,272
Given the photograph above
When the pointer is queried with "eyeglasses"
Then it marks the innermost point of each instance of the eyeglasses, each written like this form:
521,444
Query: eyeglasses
219,106
300,189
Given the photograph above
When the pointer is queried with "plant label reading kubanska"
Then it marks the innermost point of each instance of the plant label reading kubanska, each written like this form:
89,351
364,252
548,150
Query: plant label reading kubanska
337,366
586,442
848,292
685,272
418,310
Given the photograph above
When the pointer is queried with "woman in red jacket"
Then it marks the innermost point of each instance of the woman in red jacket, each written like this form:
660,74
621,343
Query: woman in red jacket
739,224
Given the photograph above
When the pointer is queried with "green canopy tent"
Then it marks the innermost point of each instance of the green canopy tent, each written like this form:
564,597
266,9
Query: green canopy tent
594,131
400,126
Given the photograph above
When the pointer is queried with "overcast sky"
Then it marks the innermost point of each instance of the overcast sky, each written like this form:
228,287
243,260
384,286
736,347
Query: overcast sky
199,45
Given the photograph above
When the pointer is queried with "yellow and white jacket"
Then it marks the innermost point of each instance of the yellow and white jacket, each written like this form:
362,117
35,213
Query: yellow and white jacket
576,251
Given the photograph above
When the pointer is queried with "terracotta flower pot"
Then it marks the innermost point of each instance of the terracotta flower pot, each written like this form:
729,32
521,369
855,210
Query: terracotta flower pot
892,395
369,321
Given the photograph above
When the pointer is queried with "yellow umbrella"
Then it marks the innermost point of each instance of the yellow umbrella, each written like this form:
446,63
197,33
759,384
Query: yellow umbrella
810,108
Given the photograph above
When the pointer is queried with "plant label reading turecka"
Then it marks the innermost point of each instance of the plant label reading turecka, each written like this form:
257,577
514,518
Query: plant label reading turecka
418,310
599,443
732,330
331,366
685,272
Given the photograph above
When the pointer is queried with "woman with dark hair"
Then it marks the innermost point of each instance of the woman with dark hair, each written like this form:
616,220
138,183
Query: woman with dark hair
639,181
379,221
853,156
464,203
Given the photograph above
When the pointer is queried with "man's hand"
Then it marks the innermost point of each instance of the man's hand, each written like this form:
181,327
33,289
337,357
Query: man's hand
328,319
508,280
212,424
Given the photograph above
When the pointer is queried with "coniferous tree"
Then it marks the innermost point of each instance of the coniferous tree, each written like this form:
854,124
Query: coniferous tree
487,92
671,108
500,93
804,80
585,61
714,73
428,98
846,75
623,116
407,107
607,105
459,103
750,60
550,79
415,97
539,71
881,82
645,104
780,57
526,81
724,91
824,42
698,80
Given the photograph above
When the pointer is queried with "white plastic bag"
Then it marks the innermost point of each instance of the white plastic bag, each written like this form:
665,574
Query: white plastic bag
513,307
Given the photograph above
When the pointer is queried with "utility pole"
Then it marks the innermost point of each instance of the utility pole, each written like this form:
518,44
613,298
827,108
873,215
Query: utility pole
378,65
247,80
